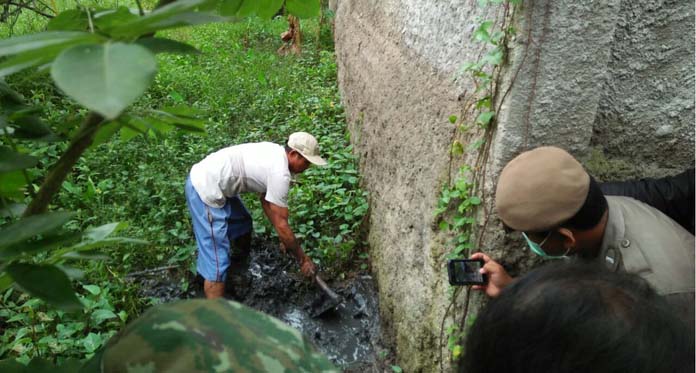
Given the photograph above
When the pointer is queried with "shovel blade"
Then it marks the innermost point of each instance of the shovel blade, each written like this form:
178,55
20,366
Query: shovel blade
323,306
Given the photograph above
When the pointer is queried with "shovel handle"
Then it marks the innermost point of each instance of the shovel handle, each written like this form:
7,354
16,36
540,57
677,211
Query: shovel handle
325,287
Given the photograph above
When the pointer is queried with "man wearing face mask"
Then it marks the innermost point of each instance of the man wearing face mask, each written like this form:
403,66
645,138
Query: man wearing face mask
560,211
218,215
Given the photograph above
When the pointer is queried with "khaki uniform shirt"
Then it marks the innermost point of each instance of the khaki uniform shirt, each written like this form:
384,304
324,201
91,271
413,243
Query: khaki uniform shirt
642,240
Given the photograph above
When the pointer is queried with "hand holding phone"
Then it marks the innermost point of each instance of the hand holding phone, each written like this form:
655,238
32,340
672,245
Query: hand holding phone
466,272
496,276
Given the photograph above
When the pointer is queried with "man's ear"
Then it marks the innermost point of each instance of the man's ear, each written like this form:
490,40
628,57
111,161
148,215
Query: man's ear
568,238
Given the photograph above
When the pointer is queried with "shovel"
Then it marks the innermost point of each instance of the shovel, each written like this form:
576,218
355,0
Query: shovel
325,304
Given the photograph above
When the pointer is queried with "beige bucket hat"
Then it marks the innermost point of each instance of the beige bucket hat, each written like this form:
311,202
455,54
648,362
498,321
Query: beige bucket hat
540,189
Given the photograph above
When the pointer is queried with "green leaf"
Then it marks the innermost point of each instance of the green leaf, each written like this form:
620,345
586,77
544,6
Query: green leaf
133,126
494,57
27,60
396,369
32,128
26,228
471,67
35,57
92,342
231,7
485,118
453,119
12,366
93,289
161,45
9,97
497,36
268,8
105,132
46,282
71,272
157,127
303,8
457,148
10,161
11,185
443,225
484,103
477,144
457,351
112,18
42,40
84,256
90,245
481,33
246,8
12,209
105,78
128,132
103,314
183,111
69,20
101,232
176,14
5,281
188,124
44,244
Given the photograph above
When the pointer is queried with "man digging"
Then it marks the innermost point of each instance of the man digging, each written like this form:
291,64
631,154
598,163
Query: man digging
218,215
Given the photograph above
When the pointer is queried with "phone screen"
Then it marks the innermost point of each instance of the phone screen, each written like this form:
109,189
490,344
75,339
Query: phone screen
465,272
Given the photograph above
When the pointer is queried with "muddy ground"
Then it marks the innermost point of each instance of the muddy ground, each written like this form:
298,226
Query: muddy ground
348,334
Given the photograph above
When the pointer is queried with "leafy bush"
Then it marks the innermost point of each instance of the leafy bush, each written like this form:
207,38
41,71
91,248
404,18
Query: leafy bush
33,329
245,92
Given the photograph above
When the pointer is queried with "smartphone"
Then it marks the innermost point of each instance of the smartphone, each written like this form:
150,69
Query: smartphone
465,272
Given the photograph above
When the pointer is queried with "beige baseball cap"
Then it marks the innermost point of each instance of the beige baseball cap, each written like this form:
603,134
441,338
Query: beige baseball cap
541,189
306,145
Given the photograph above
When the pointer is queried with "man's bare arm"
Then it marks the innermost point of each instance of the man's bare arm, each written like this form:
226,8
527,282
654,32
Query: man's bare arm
279,218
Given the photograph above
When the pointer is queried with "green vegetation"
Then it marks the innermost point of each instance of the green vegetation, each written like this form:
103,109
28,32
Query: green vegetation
237,88
462,202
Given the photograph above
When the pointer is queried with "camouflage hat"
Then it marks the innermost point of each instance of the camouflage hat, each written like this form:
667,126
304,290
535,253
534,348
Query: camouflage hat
208,336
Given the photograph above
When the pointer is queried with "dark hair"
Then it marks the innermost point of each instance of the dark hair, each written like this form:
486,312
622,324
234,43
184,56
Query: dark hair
592,209
578,318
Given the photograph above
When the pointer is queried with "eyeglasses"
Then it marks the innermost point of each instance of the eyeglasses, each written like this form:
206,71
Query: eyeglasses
536,247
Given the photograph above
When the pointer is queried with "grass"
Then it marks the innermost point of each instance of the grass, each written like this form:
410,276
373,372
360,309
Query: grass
248,93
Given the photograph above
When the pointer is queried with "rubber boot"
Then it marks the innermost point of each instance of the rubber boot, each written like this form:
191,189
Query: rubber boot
238,276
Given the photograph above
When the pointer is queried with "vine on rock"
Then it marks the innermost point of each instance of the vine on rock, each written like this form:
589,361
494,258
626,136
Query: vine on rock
462,200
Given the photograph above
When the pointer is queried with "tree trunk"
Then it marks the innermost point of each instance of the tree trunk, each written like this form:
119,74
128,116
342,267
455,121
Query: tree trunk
292,37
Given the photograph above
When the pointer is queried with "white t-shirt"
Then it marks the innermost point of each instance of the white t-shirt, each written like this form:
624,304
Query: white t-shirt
260,167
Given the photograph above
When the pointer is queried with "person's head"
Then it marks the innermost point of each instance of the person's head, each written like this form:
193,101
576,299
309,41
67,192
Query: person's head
578,318
302,150
547,194
207,335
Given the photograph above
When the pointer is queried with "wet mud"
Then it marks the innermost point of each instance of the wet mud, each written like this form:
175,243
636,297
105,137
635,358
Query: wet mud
347,334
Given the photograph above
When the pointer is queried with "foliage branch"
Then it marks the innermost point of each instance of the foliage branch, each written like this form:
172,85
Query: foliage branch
462,200
104,59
